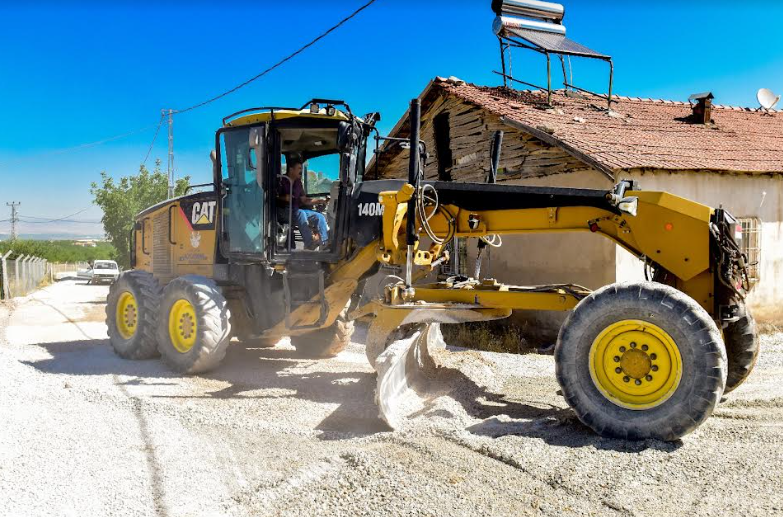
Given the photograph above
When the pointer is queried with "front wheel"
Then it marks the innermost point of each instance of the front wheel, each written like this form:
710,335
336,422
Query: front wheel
194,329
641,360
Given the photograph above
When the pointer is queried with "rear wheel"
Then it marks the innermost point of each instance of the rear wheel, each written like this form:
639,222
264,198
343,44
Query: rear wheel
194,329
742,348
242,328
326,342
132,315
641,360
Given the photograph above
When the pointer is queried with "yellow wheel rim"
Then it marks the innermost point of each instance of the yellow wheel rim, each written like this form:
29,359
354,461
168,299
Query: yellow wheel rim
182,326
635,364
127,315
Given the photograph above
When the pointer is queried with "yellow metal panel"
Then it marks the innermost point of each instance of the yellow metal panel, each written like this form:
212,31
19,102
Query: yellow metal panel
256,118
504,299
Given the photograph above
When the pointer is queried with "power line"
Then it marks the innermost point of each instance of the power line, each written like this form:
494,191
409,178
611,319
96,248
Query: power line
157,130
281,62
60,221
56,219
86,145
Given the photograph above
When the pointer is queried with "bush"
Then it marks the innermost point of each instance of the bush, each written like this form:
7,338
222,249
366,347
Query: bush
58,251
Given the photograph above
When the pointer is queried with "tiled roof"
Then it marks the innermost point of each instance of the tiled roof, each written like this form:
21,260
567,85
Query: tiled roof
640,133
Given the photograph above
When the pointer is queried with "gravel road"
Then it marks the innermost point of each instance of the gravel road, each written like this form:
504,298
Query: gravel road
85,433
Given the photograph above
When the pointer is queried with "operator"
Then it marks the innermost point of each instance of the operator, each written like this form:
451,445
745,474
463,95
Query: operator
298,199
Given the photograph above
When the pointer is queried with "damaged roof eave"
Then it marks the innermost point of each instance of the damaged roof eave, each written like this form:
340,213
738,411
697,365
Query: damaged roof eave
541,135
554,141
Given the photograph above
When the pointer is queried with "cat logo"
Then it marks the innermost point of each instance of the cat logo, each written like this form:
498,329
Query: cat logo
199,214
203,213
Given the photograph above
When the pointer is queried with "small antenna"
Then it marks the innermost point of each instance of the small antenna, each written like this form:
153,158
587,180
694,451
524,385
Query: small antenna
767,99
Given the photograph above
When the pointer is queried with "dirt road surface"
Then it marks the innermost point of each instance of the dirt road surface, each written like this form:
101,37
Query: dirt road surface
83,432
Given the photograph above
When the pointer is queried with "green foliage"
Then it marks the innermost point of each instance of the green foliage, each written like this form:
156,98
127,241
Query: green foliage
318,183
121,201
58,251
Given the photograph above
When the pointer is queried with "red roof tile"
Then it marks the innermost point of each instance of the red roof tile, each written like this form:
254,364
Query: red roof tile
643,133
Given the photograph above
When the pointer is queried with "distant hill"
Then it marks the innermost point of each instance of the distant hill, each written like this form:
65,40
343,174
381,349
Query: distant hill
54,236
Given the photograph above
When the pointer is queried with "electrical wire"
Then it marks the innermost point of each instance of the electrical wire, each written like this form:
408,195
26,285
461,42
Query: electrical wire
82,146
56,219
281,62
157,130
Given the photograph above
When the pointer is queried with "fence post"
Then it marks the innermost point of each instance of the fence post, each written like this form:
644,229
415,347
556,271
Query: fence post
6,294
26,273
18,285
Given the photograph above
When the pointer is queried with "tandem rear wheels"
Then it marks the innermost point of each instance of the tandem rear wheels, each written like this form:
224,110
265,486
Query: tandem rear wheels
187,323
641,360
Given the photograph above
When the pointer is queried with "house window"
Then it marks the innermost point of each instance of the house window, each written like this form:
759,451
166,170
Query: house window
751,245
442,130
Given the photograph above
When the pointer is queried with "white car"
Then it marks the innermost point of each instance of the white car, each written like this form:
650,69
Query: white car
103,271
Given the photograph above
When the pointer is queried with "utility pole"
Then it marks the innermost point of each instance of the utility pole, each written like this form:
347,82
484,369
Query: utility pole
170,168
14,218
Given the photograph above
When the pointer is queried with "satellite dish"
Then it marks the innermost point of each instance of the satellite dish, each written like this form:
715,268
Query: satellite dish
767,99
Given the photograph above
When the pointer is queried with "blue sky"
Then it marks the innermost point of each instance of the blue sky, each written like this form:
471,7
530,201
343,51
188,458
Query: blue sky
79,72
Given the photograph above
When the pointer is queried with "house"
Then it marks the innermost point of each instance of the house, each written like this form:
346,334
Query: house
717,155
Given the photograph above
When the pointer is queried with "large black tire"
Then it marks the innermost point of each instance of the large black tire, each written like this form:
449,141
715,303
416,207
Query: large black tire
693,393
146,293
212,330
742,348
326,342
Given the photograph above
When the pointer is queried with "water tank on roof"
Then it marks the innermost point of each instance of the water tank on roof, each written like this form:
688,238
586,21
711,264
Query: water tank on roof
547,11
503,23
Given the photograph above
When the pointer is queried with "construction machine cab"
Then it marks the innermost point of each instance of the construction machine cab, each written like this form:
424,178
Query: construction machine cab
253,149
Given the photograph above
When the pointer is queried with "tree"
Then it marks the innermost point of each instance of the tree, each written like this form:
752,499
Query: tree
123,200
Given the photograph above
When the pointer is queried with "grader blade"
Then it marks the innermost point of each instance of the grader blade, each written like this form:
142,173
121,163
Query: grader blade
400,345
405,366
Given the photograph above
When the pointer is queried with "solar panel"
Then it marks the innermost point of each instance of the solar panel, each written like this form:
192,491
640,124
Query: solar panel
555,43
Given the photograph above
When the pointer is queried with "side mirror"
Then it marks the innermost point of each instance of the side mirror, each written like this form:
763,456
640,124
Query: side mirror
213,157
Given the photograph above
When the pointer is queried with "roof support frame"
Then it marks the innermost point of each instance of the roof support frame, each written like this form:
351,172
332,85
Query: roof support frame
507,43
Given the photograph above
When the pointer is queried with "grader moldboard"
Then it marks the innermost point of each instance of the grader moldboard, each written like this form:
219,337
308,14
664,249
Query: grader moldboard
634,360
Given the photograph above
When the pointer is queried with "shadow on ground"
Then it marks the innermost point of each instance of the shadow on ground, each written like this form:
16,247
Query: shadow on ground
246,371
502,416
279,370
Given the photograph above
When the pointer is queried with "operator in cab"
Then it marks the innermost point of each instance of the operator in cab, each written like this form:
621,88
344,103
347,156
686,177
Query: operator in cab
292,192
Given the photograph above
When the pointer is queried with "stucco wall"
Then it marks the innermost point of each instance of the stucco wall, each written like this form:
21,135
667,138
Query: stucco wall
743,196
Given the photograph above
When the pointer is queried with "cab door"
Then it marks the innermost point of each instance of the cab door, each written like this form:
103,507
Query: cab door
244,202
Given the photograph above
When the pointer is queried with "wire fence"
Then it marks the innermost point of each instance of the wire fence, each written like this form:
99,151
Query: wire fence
24,274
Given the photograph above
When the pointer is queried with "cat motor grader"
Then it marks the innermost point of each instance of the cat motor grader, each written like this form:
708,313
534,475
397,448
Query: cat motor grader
634,360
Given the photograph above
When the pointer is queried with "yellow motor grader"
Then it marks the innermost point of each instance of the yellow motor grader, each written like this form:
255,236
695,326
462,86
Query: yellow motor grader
634,360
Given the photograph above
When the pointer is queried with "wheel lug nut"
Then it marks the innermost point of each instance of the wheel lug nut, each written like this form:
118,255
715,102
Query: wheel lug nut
626,379
616,359
638,382
622,349
649,378
633,345
654,368
618,370
645,347
653,356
